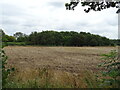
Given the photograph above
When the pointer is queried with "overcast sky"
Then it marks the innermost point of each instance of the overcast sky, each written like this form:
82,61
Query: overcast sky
39,15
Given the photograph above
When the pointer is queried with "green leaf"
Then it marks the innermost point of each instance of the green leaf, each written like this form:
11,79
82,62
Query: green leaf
113,73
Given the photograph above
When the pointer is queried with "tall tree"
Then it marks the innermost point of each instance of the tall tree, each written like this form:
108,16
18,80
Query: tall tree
20,36
66,39
6,38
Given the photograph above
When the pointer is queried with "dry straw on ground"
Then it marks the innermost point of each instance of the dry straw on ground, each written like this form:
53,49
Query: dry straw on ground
58,66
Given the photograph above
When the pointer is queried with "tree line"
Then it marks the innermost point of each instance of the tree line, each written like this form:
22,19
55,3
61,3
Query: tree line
63,38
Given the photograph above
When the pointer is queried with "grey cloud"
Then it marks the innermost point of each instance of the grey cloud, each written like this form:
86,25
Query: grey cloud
84,24
21,18
29,24
13,15
113,23
9,21
56,4
99,31
63,28
12,10
107,32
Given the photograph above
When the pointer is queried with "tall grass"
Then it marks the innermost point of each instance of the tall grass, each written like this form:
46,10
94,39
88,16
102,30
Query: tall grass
48,78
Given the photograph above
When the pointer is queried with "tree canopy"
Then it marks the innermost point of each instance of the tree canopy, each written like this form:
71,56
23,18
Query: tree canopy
64,38
20,36
95,5
7,38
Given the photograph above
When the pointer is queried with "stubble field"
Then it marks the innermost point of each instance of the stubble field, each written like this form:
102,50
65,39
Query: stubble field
29,61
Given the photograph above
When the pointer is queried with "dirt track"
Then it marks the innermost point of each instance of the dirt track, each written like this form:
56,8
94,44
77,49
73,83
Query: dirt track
71,59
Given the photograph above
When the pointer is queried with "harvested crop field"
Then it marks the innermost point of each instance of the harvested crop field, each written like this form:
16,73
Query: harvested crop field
71,59
30,59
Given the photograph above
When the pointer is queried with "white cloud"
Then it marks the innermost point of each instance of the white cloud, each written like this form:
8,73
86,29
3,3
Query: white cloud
37,15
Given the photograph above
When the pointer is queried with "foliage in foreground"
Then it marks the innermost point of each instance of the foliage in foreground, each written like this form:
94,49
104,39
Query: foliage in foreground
97,5
112,65
5,71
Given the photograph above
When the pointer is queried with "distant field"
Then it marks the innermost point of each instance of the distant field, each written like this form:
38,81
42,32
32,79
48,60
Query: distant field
70,59
66,59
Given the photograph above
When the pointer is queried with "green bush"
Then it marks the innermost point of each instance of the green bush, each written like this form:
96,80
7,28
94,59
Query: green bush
5,71
4,44
16,43
111,65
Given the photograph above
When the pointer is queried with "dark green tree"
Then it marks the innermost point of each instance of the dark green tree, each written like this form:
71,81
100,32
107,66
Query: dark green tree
6,38
20,37
18,34
54,38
